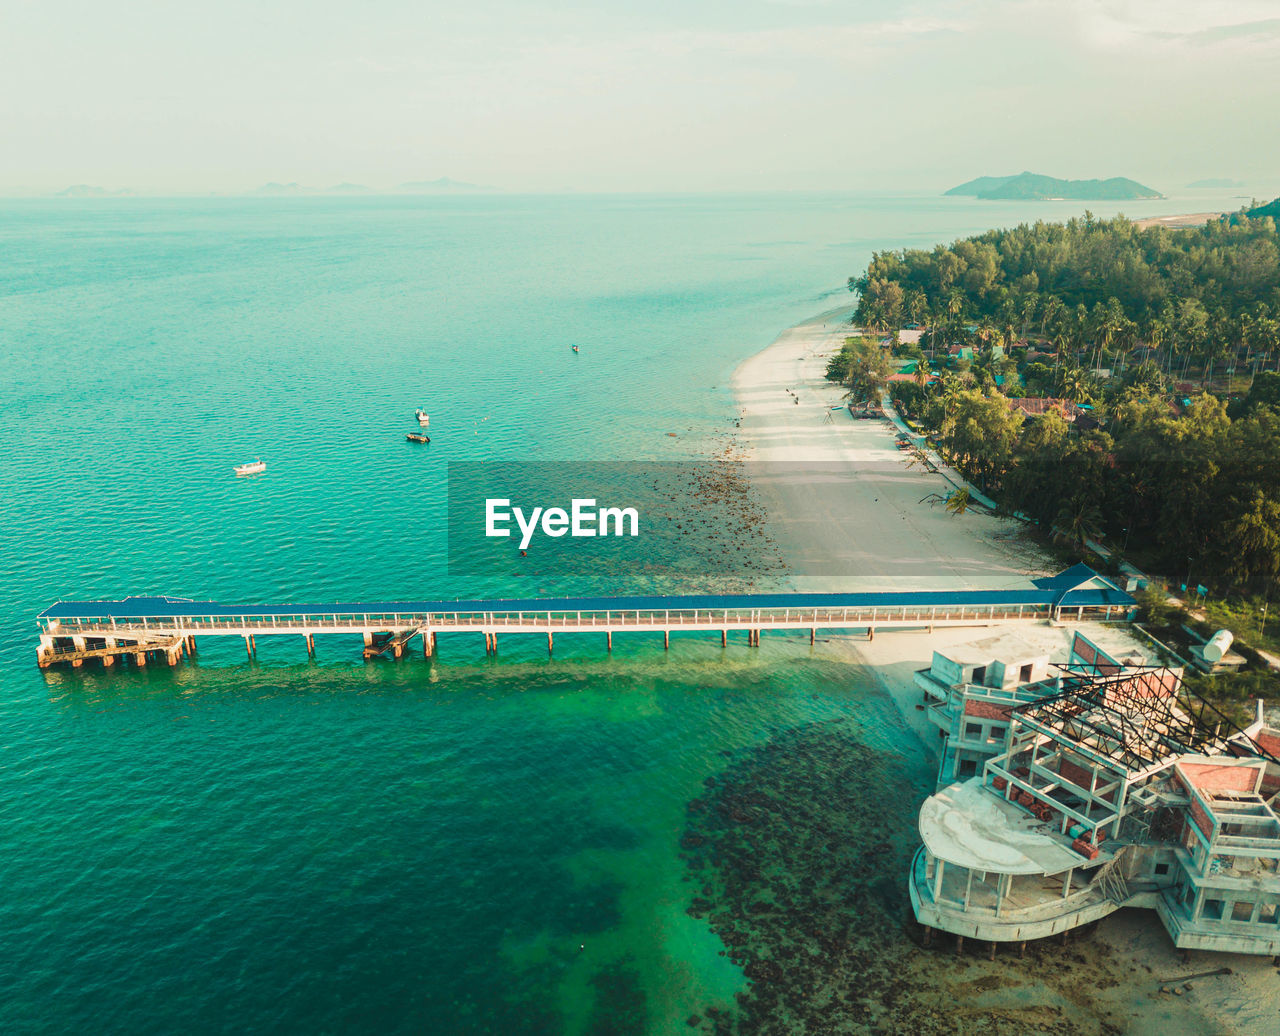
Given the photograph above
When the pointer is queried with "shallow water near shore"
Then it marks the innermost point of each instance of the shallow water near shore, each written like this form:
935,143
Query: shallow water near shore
466,845
447,845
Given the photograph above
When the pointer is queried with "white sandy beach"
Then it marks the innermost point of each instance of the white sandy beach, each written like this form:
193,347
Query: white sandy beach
858,508
844,506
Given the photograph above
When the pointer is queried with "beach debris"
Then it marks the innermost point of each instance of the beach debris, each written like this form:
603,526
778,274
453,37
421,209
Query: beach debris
1198,974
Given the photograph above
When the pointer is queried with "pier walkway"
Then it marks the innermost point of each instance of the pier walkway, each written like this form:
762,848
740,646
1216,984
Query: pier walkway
165,628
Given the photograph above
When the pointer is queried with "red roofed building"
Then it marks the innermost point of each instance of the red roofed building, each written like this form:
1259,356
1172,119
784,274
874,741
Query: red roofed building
1037,406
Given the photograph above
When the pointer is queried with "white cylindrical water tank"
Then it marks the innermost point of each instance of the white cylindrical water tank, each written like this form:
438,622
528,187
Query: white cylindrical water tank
1217,646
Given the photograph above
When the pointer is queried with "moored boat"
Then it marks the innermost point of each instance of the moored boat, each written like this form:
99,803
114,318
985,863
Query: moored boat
252,468
415,437
423,419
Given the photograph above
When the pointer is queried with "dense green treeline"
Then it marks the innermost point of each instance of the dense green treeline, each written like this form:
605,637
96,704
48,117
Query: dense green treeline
1102,314
1101,292
1194,495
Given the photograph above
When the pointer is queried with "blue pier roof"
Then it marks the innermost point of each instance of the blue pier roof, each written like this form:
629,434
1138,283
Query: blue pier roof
1091,591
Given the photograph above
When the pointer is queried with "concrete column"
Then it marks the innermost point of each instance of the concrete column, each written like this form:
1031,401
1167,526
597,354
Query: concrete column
549,642
140,658
77,643
76,663
609,635
666,640
427,643
108,661
813,636
368,640
174,655
724,638
311,644
397,649
248,647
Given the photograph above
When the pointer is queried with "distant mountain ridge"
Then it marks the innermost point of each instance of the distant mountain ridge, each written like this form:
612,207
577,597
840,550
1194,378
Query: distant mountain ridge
1028,186
84,190
439,186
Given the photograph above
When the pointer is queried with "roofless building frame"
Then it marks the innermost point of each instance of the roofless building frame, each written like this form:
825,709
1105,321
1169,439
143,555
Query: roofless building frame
1117,787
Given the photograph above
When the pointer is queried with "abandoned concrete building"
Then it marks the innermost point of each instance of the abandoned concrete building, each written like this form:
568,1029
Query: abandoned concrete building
1108,784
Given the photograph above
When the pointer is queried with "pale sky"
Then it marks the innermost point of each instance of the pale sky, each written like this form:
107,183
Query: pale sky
664,95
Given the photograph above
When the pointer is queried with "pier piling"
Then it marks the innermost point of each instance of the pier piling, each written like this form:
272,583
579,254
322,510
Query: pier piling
72,633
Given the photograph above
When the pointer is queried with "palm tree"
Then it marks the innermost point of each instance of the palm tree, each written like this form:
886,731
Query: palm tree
922,373
958,501
1079,521
1073,383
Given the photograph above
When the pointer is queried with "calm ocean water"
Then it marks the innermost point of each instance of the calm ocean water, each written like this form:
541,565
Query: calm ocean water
472,845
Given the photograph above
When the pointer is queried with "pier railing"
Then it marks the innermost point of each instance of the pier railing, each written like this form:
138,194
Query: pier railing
535,621
75,631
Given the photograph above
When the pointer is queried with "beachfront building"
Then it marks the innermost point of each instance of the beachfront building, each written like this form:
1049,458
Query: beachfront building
1118,788
970,692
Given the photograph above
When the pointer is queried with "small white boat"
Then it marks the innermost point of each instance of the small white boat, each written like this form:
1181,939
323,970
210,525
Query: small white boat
423,419
252,468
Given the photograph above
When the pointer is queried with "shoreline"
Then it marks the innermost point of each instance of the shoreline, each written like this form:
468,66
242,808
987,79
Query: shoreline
873,496
844,505
1178,221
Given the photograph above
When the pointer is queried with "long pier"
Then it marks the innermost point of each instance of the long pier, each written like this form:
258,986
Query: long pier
143,629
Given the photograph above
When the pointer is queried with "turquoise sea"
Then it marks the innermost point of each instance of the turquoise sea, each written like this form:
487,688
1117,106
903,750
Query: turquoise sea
467,845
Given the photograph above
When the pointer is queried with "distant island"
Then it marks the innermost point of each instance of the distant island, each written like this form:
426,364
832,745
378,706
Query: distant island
440,186
84,190
1216,182
1035,187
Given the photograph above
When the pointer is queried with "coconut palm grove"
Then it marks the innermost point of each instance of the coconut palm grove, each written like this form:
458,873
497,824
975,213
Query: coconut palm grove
1100,380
